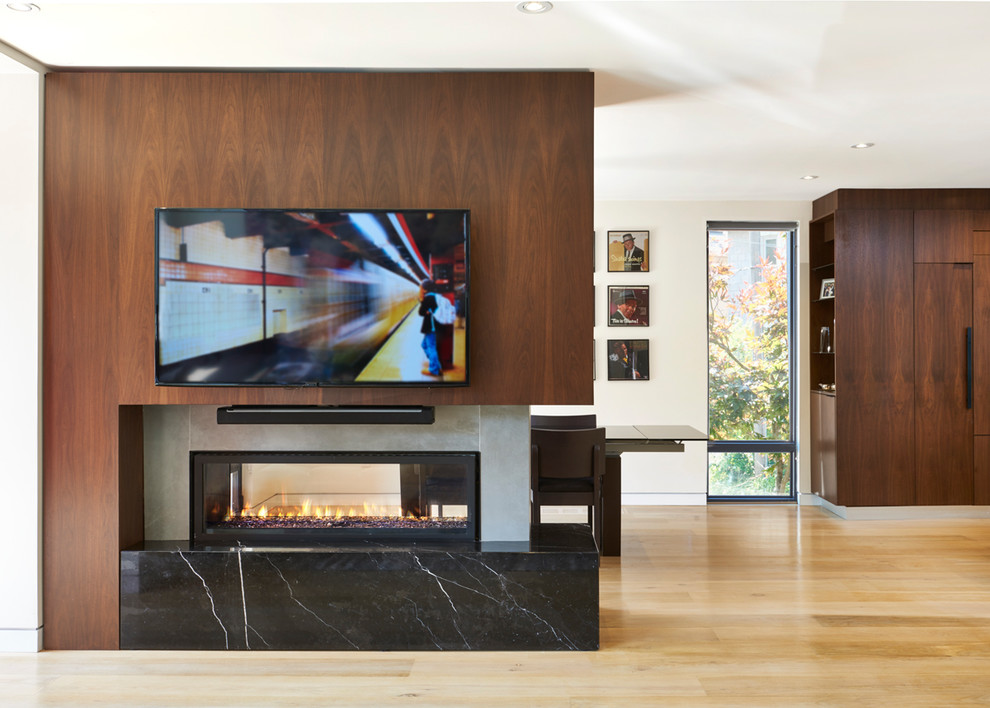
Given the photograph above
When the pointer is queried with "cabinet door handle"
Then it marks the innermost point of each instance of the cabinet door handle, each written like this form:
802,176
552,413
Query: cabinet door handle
969,367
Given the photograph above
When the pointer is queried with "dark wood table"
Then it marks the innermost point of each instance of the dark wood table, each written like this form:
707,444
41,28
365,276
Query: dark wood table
633,438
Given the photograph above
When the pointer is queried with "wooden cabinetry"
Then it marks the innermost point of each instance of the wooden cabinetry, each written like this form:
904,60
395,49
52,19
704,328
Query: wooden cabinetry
873,358
823,452
943,236
981,365
943,312
981,344
911,341
822,309
981,470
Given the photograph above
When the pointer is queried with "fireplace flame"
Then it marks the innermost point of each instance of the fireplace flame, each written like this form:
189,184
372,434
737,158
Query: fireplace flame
309,515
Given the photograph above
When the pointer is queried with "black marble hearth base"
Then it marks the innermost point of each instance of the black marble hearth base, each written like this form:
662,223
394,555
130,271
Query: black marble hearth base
364,595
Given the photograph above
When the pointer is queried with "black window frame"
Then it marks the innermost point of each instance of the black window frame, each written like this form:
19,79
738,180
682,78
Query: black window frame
763,446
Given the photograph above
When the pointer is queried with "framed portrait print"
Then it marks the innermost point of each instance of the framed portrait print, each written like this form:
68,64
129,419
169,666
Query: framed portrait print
628,359
628,251
628,306
828,289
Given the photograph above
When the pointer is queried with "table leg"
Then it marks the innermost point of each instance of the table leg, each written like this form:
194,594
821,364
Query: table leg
612,506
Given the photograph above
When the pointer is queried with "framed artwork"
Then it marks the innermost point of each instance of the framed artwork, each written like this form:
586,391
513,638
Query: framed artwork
628,359
628,251
828,289
628,306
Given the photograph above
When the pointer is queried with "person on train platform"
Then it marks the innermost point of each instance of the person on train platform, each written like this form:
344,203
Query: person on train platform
427,309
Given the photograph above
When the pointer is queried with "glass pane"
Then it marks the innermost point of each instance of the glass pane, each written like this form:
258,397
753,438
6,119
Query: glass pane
748,474
749,335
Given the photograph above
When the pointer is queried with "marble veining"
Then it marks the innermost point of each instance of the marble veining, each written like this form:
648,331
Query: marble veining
361,597
240,572
292,596
213,607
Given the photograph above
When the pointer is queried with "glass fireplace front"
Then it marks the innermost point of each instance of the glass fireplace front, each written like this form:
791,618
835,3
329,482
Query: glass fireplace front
300,497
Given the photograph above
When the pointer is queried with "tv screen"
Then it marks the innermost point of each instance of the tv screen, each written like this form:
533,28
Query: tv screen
312,297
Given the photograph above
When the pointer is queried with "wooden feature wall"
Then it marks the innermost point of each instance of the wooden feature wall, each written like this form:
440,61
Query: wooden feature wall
514,148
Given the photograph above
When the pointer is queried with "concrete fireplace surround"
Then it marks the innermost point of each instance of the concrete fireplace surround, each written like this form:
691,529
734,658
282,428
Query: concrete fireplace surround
499,433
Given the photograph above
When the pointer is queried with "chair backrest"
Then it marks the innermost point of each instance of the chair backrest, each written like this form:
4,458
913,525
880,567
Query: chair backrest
567,454
563,422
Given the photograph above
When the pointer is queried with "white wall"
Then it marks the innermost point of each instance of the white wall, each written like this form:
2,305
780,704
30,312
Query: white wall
20,434
677,392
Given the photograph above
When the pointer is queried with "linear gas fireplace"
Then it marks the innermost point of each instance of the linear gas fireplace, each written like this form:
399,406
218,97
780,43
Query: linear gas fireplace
314,497
341,551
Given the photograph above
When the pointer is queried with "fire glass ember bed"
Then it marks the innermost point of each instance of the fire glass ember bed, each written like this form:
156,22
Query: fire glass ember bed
301,497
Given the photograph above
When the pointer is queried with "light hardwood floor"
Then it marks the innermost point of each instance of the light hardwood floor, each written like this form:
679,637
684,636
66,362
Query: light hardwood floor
755,605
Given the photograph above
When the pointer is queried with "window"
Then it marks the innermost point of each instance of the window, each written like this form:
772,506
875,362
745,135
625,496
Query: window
750,361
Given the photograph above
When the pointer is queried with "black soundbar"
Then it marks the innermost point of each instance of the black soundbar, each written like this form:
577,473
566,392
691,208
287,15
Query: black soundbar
326,415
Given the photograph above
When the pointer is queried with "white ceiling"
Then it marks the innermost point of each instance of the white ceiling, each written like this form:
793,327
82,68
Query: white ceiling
695,100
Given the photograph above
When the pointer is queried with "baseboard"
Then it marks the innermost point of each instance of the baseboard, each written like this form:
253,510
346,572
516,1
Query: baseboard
904,513
664,499
806,499
21,640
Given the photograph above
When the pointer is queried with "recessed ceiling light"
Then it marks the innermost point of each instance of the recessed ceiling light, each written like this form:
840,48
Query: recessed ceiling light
810,177
534,8
861,146
23,7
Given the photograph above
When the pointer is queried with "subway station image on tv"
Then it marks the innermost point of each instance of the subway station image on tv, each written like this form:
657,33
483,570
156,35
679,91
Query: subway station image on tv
308,298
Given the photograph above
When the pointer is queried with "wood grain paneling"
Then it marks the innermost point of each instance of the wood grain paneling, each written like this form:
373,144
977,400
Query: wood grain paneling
81,319
924,199
981,470
875,313
943,236
824,205
382,141
515,148
943,310
981,345
874,357
909,199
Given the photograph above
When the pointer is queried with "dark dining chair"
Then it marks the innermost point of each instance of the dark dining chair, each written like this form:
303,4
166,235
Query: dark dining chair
563,422
566,469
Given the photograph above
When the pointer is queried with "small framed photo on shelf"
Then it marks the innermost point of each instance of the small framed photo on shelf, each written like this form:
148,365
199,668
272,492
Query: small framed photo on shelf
628,306
628,359
828,289
628,251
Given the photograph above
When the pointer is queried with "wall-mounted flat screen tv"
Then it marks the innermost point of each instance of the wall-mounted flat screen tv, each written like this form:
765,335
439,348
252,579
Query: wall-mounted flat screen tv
312,297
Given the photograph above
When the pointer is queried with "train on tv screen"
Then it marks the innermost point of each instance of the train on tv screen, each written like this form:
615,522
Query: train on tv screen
312,297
